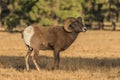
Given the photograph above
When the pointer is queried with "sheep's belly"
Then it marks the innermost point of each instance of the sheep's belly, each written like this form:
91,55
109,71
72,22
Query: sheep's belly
27,35
45,47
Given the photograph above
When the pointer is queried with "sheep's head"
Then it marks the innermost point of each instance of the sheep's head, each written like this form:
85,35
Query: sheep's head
72,24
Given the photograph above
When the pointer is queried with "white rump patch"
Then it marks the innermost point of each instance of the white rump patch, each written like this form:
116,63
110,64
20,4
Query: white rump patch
27,34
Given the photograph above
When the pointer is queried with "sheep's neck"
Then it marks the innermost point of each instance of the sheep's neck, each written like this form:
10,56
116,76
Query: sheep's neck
74,35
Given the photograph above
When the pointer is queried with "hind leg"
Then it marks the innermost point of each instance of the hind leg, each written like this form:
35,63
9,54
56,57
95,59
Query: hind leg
34,57
29,51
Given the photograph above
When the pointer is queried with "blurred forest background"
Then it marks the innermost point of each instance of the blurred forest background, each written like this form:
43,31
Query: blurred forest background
14,13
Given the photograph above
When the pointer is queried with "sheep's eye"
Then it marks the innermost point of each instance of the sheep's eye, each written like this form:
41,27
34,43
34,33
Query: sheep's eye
75,24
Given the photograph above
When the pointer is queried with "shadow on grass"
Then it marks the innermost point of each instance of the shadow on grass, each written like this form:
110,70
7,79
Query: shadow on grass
67,63
15,31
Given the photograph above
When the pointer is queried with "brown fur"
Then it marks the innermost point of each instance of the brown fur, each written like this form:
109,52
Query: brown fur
53,38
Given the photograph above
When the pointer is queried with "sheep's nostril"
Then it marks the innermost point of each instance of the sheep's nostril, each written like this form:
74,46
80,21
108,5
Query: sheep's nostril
84,29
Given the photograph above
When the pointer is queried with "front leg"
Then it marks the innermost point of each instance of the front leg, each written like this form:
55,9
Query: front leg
56,59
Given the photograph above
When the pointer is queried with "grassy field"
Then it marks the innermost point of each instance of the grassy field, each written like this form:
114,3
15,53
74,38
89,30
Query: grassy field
95,55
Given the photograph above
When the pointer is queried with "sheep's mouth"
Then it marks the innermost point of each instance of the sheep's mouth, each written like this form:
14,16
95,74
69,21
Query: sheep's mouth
84,29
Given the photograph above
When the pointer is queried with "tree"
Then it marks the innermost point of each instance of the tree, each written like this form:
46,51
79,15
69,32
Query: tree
51,12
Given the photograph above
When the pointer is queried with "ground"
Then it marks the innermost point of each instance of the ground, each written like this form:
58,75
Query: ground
95,55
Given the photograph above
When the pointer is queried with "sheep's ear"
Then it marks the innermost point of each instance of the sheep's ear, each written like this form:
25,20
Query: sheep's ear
79,19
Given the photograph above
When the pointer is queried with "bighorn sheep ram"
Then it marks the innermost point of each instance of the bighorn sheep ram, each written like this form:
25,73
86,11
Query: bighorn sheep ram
51,38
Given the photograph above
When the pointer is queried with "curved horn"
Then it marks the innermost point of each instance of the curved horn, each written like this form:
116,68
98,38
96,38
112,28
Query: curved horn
67,23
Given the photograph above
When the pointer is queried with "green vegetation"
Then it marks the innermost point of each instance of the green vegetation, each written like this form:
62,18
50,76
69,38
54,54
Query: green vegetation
46,12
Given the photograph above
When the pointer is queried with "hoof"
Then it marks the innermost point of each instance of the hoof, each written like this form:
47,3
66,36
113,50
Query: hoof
54,68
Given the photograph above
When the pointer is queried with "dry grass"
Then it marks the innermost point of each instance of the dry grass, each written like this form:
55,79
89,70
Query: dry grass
95,55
